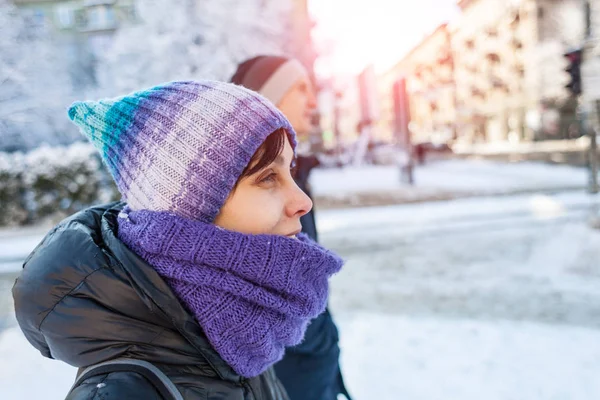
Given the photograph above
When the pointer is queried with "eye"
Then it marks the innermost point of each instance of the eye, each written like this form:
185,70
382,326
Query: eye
270,177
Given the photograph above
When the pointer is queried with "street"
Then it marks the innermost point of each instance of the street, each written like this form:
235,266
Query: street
494,298
519,258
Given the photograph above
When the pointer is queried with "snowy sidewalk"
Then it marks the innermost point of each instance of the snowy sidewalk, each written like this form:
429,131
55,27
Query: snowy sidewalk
372,222
440,180
391,357
16,244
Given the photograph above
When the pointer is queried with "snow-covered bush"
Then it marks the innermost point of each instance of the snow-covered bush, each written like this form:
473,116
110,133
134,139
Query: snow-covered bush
61,179
12,189
51,182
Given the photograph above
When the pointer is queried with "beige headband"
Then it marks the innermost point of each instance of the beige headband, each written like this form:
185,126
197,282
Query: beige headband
282,80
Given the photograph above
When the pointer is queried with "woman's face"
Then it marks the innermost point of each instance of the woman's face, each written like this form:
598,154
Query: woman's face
267,202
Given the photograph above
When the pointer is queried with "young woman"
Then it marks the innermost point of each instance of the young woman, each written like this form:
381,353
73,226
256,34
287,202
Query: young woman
201,270
309,371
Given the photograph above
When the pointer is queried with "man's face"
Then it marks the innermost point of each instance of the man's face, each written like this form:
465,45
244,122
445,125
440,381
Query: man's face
298,105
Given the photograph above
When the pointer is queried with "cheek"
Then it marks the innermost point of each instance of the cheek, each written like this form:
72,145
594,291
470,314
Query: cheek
295,109
266,216
256,214
303,103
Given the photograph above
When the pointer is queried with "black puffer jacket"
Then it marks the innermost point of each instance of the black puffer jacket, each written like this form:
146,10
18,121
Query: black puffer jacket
84,298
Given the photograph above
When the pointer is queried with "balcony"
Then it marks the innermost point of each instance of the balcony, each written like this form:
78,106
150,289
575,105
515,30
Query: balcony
498,84
493,58
22,2
96,18
477,93
92,3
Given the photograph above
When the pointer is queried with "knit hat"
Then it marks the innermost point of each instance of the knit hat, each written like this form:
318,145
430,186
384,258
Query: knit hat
271,76
180,146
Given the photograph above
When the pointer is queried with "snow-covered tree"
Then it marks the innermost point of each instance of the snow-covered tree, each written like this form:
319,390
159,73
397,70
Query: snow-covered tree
234,30
190,39
34,85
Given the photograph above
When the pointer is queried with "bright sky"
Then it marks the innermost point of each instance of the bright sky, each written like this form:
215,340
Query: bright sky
358,32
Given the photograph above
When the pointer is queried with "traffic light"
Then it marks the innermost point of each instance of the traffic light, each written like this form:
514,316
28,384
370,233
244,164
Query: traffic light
574,70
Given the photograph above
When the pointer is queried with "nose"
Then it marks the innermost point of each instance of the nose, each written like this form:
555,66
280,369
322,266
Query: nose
299,203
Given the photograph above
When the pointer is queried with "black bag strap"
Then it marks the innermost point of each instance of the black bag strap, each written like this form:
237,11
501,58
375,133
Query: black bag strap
159,380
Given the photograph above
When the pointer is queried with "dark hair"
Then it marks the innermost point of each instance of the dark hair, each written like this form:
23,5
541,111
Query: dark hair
268,151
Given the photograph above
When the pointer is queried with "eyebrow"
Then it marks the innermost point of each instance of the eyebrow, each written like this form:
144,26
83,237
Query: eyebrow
280,160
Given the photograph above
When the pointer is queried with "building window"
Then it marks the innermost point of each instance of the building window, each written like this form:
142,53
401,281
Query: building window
128,13
109,16
101,18
65,16
35,18
93,18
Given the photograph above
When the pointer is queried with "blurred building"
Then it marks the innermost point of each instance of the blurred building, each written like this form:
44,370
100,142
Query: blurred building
494,47
92,17
82,29
429,69
347,113
493,74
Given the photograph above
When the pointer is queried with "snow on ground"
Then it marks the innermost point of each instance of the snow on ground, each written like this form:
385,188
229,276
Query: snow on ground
485,313
391,357
544,273
13,250
520,257
420,215
25,374
454,176
17,243
481,298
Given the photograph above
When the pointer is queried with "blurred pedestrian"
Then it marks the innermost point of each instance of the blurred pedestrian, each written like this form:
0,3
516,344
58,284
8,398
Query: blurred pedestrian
309,371
202,271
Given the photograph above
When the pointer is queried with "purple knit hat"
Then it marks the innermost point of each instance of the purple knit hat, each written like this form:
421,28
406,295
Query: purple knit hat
180,146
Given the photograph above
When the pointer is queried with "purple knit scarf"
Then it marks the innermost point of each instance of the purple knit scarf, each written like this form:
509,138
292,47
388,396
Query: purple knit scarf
253,295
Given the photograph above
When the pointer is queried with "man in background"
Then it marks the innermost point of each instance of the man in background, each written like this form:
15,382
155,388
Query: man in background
309,371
